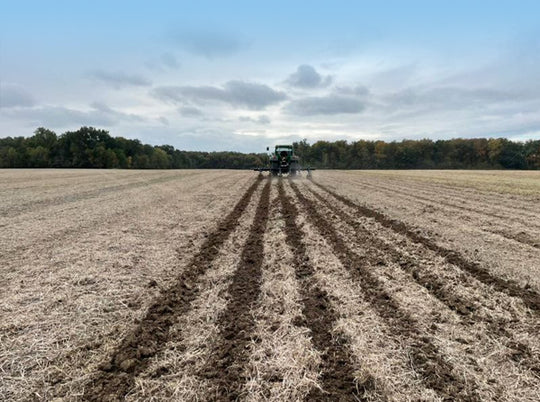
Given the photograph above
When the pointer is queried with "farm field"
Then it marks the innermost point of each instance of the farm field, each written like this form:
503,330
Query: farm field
224,285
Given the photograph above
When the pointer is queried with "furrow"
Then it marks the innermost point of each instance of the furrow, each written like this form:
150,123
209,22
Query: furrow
436,373
225,370
116,376
530,297
438,288
337,377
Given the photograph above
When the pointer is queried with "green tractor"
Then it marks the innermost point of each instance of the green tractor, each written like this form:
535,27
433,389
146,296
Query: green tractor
283,161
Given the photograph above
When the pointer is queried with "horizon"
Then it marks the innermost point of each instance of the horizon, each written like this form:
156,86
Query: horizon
240,77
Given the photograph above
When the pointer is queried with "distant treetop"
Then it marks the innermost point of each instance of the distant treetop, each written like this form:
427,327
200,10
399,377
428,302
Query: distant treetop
90,147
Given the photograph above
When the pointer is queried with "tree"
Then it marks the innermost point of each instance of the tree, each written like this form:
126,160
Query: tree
44,138
10,158
38,157
89,147
159,159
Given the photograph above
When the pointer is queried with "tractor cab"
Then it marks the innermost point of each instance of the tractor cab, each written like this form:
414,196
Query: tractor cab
283,161
284,153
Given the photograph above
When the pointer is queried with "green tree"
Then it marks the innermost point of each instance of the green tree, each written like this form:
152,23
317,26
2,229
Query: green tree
159,159
38,157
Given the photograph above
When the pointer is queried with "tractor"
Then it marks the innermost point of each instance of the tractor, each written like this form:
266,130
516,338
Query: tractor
283,161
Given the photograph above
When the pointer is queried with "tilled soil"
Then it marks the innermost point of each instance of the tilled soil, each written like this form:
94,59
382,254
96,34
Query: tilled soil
337,370
147,338
463,331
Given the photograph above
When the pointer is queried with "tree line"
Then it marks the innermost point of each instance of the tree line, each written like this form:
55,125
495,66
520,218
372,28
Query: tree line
459,153
89,147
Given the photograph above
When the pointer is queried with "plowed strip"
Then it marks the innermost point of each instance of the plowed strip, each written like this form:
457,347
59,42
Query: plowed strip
436,373
530,297
132,356
337,378
436,287
226,368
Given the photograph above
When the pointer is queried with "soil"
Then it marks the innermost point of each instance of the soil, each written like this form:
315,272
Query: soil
337,377
150,335
224,286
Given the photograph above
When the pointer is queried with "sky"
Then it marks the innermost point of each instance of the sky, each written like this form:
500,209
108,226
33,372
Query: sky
244,75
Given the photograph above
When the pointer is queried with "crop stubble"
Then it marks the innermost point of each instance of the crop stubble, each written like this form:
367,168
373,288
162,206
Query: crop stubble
117,375
529,296
337,379
391,263
479,320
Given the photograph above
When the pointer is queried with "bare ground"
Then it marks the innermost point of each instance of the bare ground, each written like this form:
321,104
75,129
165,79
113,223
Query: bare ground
221,285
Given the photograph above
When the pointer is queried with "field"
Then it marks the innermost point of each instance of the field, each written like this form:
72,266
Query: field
222,285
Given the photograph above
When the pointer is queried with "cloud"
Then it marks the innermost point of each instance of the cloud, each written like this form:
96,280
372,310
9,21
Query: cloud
190,111
119,79
307,77
62,117
169,60
208,44
107,111
262,119
326,105
448,98
166,61
199,138
236,93
396,77
12,95
357,90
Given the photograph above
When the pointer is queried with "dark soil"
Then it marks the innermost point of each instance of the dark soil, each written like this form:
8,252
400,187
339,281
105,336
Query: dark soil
337,371
426,359
380,251
438,288
530,297
226,369
116,376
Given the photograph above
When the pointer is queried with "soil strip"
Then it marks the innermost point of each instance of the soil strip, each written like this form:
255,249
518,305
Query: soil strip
117,375
337,376
520,352
530,297
426,358
226,369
